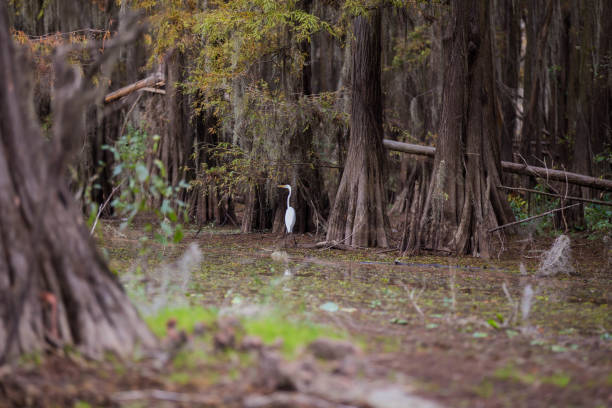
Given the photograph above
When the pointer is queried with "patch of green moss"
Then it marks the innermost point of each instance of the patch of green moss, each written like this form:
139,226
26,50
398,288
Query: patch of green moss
484,389
186,318
512,373
180,377
294,334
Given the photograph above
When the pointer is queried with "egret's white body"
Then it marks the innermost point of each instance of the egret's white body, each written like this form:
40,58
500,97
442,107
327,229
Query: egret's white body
290,213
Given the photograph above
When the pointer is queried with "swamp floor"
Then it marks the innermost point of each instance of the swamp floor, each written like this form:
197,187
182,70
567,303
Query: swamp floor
449,332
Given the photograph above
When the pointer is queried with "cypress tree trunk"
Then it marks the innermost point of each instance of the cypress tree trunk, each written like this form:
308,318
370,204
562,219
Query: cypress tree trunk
358,214
602,98
55,289
582,71
508,49
462,202
558,78
538,22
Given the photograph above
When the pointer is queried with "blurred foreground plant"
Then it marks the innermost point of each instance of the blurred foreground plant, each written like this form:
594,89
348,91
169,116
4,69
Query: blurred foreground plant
144,187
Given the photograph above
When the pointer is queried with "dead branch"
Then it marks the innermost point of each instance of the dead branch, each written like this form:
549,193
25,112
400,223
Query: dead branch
516,168
152,80
153,90
68,33
532,218
570,198
101,209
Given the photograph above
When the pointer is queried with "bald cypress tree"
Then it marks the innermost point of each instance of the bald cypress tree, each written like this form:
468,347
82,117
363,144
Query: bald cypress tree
358,214
463,203
55,289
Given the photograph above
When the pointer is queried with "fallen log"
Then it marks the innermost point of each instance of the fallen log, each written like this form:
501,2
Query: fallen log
149,81
568,198
516,168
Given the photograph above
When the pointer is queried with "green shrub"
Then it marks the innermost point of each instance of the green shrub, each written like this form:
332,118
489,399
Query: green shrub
144,187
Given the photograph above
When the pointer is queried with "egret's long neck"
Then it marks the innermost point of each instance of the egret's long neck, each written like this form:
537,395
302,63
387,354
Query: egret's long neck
289,196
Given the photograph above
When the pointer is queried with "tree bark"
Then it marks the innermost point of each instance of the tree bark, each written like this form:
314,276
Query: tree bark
508,58
358,214
55,289
583,69
462,202
539,14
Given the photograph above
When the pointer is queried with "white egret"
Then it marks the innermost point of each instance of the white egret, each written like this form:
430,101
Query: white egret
290,213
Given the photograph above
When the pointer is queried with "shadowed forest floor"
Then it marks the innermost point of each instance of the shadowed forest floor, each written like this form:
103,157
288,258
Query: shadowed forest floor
440,328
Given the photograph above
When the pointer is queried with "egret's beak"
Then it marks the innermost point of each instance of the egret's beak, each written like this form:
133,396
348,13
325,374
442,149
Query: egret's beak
282,186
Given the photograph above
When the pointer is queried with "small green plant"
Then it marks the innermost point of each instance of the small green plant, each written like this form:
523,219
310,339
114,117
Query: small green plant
144,187
605,156
413,49
598,218
518,205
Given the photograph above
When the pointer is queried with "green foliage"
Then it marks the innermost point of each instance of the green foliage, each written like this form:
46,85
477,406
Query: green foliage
539,204
519,206
598,218
353,8
236,168
414,49
269,121
604,157
228,38
143,185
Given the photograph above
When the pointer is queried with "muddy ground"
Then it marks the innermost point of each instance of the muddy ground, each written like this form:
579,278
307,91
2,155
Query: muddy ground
445,331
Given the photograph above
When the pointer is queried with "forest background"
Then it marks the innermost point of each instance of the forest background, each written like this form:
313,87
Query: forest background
247,95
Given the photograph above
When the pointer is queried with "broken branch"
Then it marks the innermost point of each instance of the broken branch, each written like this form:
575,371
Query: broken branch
570,198
149,81
516,168
532,218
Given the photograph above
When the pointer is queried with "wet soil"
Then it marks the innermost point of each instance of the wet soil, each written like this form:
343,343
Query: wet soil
452,330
